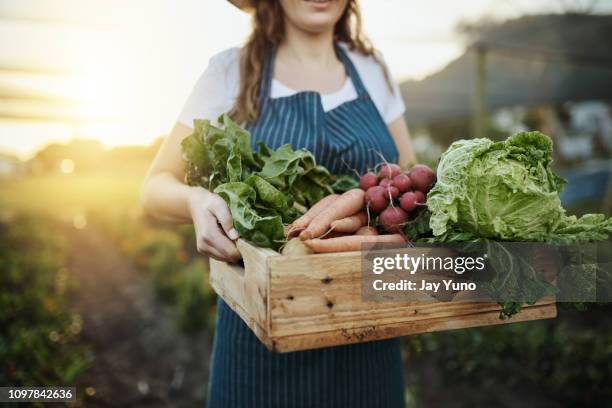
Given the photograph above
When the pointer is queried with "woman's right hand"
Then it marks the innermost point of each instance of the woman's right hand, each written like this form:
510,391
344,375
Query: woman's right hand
214,229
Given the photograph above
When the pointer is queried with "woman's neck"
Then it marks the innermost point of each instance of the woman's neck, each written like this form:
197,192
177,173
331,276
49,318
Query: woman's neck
308,48
312,56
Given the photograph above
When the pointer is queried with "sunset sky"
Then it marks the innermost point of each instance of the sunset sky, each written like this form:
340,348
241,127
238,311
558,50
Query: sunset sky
120,70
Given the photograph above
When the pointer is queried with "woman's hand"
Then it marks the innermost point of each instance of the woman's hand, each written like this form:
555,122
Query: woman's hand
212,219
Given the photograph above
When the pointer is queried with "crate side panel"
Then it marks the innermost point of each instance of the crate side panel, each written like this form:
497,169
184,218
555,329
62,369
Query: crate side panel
317,293
362,334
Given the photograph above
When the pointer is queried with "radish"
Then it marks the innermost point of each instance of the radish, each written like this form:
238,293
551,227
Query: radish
376,198
384,183
392,191
402,182
420,197
368,180
389,171
409,200
422,177
392,219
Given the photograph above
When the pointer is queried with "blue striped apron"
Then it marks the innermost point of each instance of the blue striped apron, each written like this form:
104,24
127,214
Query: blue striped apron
244,373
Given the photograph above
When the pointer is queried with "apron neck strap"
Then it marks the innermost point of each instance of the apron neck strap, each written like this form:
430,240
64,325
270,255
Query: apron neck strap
351,71
268,74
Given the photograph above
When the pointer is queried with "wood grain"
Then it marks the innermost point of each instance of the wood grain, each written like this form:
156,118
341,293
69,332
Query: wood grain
311,301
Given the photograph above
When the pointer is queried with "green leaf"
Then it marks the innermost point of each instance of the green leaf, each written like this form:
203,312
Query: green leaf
264,231
261,188
267,193
345,183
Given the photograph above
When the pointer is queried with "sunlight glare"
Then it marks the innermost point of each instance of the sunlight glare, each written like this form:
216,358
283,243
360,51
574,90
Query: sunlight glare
67,166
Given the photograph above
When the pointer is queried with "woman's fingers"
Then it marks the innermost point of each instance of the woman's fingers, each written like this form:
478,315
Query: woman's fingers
213,224
221,211
212,240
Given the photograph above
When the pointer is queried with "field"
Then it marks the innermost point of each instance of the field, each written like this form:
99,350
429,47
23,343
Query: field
137,291
121,306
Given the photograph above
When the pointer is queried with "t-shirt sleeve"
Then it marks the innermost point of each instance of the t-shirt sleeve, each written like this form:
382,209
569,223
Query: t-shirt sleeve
215,91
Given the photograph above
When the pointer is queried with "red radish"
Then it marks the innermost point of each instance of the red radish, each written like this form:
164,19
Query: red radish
422,177
351,242
389,171
392,191
409,201
376,198
367,231
402,182
368,180
385,183
420,197
392,219
347,204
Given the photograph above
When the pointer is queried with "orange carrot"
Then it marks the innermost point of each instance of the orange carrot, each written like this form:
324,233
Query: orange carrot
352,223
334,234
301,223
347,204
351,242
367,230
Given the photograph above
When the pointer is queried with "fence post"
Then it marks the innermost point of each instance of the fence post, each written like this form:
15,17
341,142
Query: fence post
479,93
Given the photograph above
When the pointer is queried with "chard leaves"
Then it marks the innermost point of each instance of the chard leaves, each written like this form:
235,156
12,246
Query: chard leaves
263,188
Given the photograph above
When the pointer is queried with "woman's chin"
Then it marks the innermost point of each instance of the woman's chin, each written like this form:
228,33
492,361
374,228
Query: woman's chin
315,24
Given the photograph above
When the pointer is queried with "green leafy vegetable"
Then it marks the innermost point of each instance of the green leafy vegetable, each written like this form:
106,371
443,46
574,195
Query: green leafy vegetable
504,191
345,183
263,189
264,231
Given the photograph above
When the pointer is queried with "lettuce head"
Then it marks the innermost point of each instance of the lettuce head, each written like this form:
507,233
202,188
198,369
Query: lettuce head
505,191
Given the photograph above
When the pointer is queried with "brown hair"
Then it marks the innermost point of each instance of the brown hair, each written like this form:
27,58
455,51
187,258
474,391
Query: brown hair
269,31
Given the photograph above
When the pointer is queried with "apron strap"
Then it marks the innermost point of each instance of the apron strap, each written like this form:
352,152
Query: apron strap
351,70
266,84
268,73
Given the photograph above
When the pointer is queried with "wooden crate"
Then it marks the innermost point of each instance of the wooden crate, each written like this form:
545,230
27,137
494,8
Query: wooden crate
310,301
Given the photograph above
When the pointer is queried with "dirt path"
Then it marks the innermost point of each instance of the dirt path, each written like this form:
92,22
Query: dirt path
141,359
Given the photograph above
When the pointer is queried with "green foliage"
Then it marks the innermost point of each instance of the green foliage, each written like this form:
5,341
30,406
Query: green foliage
263,226
39,342
261,187
196,301
567,359
506,191
179,274
345,183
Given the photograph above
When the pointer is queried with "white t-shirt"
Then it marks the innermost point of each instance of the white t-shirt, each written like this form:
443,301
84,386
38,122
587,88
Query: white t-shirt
217,89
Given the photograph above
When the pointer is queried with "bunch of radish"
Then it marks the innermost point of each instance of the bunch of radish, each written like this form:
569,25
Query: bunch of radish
383,202
394,195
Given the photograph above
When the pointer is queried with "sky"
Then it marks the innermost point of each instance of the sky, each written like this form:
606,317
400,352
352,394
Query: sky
120,70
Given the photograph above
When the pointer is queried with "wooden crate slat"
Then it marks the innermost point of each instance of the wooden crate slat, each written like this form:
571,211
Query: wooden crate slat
303,302
351,336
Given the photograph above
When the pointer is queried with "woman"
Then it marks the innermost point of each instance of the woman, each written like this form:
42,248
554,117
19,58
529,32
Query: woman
307,77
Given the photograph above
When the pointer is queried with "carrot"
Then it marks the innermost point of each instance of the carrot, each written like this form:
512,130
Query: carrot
352,223
351,242
367,230
334,234
347,204
301,223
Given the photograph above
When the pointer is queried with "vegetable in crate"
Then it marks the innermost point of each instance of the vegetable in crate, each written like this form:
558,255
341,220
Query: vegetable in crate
506,191
263,189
